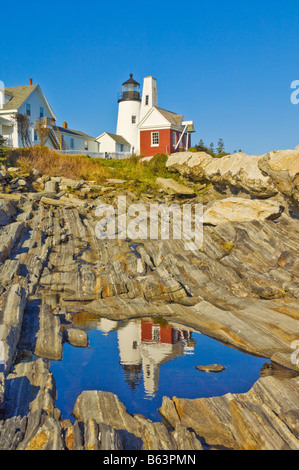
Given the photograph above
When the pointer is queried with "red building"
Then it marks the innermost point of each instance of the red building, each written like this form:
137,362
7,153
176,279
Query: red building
163,131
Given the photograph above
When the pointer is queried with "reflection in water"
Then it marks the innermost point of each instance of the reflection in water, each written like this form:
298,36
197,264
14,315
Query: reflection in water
142,360
146,344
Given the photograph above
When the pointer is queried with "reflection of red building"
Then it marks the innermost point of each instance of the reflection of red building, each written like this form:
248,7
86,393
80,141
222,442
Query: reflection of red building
152,332
145,345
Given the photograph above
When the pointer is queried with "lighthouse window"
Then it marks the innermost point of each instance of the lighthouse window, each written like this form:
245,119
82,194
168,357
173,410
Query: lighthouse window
146,100
155,138
133,119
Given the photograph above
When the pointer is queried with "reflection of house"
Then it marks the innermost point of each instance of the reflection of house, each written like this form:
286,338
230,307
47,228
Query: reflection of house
145,345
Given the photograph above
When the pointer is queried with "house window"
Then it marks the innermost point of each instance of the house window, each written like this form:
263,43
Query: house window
41,112
133,119
156,334
174,139
121,146
155,139
146,100
71,143
86,145
28,109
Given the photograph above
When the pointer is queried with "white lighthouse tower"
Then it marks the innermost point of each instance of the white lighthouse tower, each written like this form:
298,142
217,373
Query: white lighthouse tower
129,104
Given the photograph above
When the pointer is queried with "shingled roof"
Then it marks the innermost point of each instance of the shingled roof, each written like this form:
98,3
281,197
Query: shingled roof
173,118
73,132
118,138
19,95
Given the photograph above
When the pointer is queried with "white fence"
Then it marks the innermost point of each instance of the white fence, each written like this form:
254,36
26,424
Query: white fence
105,155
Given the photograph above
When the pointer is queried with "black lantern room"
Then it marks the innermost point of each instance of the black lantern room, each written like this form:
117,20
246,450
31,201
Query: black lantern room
130,90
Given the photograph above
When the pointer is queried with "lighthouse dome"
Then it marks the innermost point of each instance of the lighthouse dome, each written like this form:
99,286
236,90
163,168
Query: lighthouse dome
130,90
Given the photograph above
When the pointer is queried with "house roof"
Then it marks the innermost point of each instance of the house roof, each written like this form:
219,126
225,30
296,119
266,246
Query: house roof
19,95
119,139
64,130
173,118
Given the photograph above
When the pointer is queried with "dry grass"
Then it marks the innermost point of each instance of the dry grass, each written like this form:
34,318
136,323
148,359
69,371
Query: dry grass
48,162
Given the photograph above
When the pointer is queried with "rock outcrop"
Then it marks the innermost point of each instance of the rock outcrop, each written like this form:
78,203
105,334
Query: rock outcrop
174,188
236,209
239,170
265,418
240,286
283,168
259,175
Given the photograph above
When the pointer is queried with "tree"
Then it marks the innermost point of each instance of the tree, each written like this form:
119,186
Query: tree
23,126
211,148
42,132
201,145
220,147
2,145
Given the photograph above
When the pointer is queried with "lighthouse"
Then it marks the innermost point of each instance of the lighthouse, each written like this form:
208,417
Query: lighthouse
129,103
142,127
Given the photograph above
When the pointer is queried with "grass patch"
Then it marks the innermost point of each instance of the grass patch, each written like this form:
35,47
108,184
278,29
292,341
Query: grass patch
139,175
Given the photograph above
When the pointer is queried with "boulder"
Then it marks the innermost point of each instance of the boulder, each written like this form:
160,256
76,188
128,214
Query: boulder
68,183
49,337
173,188
241,210
20,184
211,368
283,168
51,186
115,181
239,170
76,337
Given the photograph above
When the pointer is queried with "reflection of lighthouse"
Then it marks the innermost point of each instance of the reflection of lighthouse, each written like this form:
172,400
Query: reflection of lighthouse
106,326
145,345
129,339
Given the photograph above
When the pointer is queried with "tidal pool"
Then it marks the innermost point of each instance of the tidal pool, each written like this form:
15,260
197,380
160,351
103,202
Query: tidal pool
142,360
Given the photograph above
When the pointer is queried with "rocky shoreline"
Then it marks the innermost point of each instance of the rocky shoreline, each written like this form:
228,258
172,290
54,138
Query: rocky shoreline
240,287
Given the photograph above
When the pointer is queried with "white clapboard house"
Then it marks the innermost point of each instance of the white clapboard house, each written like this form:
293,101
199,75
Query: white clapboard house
31,101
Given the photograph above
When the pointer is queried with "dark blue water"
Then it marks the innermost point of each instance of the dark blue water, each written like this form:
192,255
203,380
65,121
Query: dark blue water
143,360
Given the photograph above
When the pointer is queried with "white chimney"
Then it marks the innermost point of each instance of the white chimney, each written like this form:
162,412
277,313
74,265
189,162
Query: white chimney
149,95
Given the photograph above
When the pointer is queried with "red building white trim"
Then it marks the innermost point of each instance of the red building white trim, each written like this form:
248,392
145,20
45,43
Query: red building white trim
147,128
160,131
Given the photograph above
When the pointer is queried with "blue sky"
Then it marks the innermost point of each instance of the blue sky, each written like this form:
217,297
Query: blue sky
227,65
